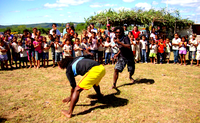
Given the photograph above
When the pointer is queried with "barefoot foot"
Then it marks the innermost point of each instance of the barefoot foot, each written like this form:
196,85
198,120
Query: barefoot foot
66,113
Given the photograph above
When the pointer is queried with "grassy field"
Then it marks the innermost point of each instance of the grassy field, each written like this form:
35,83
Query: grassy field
163,93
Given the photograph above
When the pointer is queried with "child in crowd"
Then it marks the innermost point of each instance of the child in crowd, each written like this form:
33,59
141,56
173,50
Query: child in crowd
156,39
114,50
107,50
54,34
144,49
98,35
133,43
93,45
23,54
84,46
100,50
3,55
15,52
182,50
167,51
175,46
192,48
28,47
137,50
45,47
58,49
198,52
38,50
161,47
8,43
67,48
77,48
152,48
84,35
51,44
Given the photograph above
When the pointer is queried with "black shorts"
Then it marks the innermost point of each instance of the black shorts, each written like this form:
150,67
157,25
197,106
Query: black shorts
122,62
100,53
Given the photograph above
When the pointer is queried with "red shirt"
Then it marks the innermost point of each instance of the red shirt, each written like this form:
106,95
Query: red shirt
161,47
136,34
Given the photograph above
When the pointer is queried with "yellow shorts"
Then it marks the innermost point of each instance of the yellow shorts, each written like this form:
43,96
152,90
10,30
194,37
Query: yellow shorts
93,76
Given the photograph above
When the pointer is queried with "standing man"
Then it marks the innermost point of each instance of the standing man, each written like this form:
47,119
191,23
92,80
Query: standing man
54,27
65,29
107,31
125,56
125,30
92,28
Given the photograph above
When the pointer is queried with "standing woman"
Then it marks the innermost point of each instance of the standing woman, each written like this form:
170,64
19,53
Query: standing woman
175,47
136,32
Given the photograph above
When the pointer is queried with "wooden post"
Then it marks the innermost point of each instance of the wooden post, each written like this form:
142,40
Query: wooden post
175,28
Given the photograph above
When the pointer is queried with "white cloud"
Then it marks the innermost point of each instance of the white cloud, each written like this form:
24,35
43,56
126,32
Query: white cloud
98,5
95,6
154,3
69,16
128,1
64,3
46,16
15,11
68,12
121,8
144,6
110,5
61,14
59,9
190,3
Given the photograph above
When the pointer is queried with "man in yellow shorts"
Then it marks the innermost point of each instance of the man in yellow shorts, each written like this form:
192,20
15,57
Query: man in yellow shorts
92,73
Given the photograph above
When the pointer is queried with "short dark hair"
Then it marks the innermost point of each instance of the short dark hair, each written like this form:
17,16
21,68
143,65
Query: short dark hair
54,24
54,31
65,62
121,30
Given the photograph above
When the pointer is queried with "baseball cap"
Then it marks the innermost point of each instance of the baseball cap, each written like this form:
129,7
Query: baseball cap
125,24
108,25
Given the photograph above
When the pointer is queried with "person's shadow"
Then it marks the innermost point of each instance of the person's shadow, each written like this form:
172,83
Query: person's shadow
139,81
107,101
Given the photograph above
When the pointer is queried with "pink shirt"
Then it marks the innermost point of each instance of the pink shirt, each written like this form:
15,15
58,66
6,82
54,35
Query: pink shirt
93,46
38,48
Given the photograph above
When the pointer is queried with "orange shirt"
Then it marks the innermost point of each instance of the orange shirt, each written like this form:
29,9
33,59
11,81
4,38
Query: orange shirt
161,47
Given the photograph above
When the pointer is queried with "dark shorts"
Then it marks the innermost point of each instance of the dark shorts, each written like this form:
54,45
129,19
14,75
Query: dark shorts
46,55
53,55
100,53
122,62
24,59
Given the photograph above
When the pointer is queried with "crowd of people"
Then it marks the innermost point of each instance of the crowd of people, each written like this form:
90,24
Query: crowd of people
92,43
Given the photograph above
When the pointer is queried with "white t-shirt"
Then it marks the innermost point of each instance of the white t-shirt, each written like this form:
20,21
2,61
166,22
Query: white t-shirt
84,47
114,48
107,49
67,48
45,45
198,47
153,35
168,47
59,49
153,49
192,47
94,30
144,44
22,52
57,32
182,47
175,41
3,48
15,47
78,52
133,46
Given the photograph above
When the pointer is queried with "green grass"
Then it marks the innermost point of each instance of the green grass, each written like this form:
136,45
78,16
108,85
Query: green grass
30,95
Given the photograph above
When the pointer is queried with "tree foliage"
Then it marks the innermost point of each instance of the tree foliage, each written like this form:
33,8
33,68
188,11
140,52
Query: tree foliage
139,17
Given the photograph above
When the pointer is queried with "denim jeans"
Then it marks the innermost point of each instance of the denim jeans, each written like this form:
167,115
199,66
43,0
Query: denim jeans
161,56
144,55
58,56
107,58
176,56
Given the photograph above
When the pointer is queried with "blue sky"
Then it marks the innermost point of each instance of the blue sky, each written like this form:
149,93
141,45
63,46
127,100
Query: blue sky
63,11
